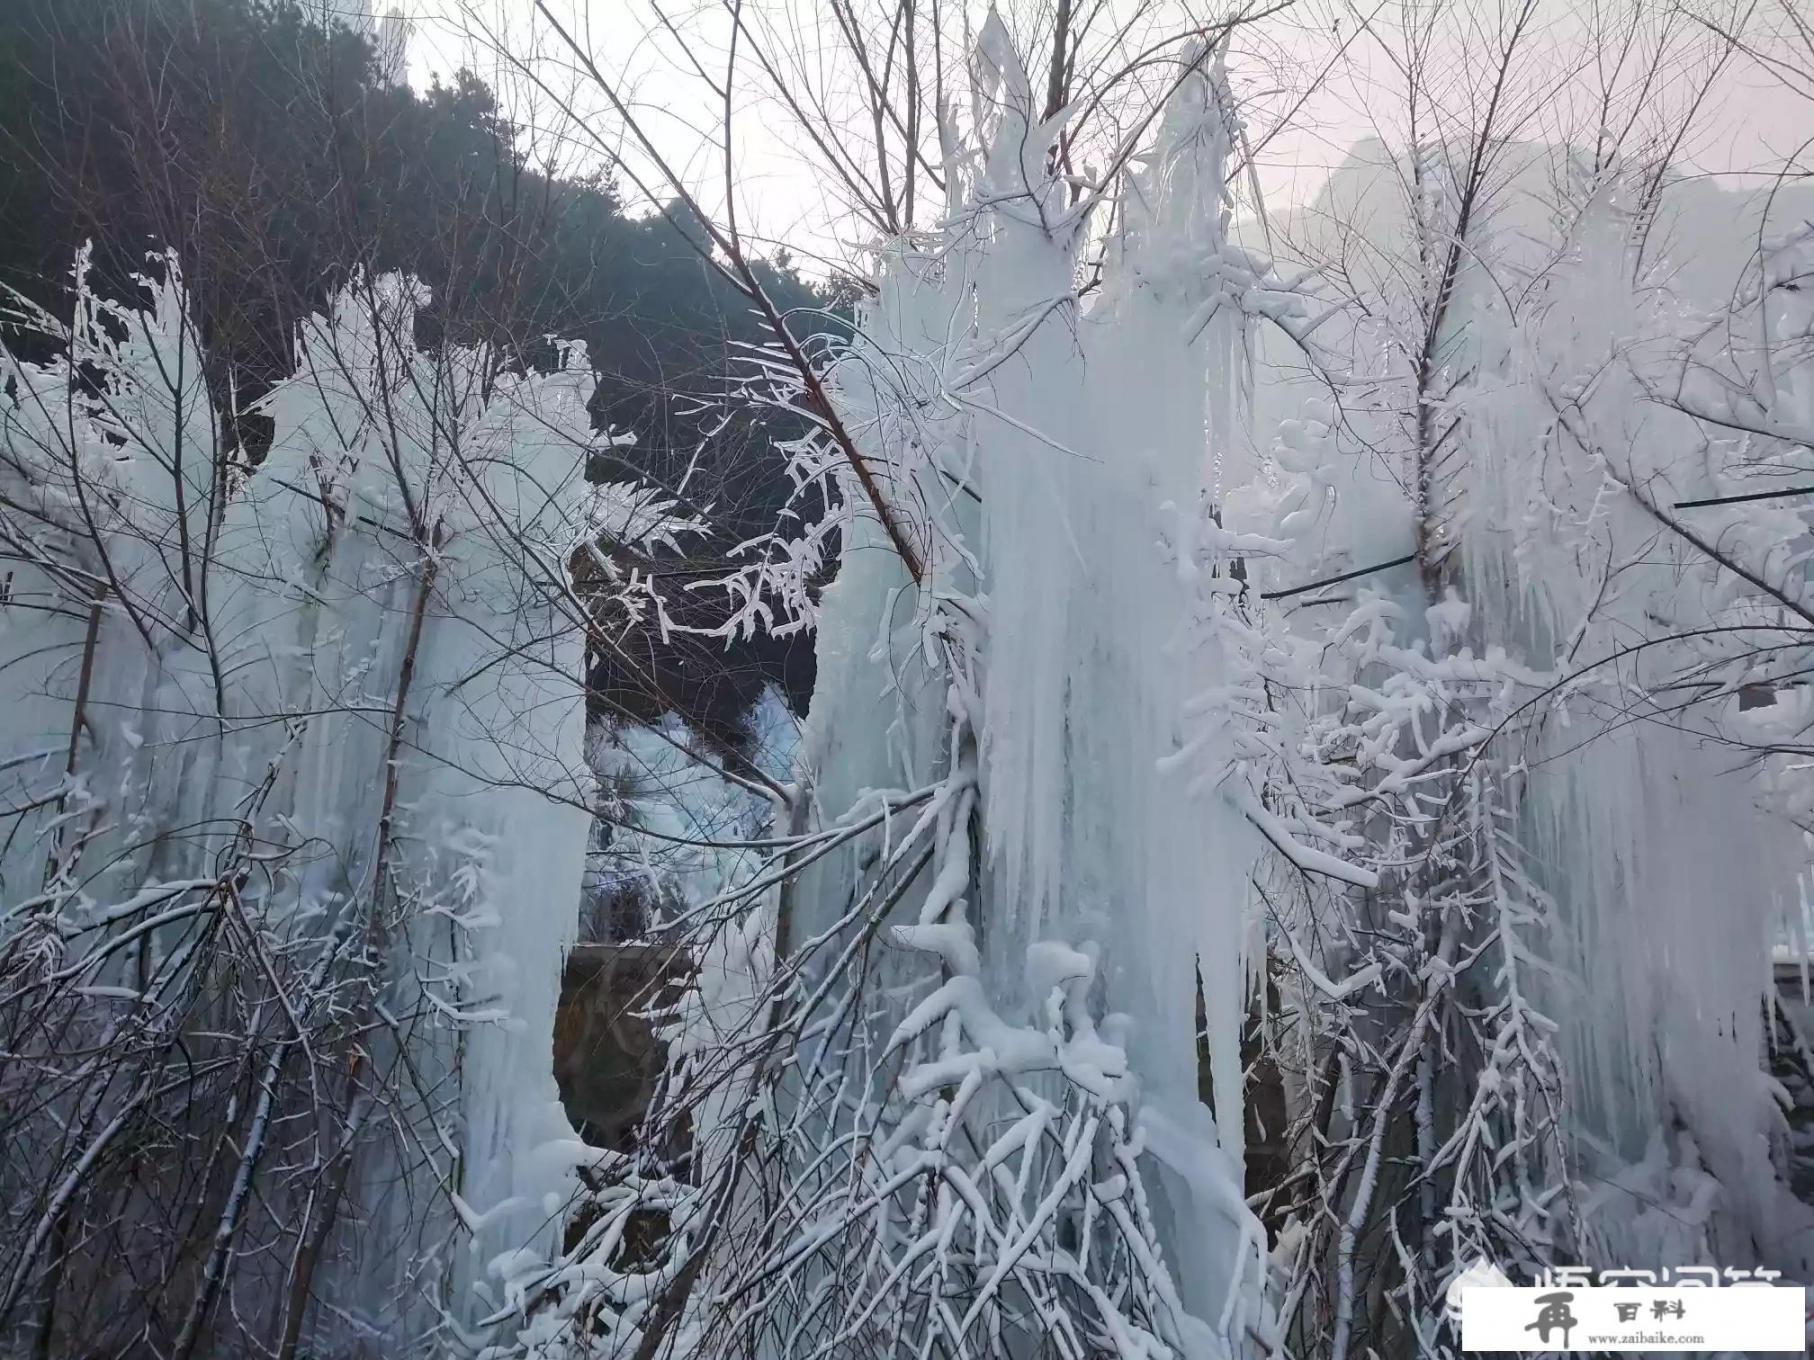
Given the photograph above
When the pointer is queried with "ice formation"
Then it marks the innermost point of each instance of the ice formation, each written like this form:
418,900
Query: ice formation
1247,693
330,707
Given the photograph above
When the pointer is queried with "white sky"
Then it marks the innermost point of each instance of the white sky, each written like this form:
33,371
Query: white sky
1748,124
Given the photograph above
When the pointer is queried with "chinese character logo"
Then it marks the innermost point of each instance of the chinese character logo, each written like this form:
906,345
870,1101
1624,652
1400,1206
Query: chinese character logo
1553,1314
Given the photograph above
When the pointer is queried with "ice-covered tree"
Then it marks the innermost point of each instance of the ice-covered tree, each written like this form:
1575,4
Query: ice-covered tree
1100,763
296,818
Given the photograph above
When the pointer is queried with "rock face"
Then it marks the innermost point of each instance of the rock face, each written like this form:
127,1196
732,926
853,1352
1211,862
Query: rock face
607,1059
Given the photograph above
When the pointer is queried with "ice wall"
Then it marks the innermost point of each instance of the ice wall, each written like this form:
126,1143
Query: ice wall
1058,456
353,670
1669,859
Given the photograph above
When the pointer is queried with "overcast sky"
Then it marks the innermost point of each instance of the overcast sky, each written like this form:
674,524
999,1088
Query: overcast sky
1748,124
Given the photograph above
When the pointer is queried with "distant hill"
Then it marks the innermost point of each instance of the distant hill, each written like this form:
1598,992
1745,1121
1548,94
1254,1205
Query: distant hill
275,155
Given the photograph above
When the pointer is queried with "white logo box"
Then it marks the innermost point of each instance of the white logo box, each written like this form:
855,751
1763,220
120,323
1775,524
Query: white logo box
1756,1318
